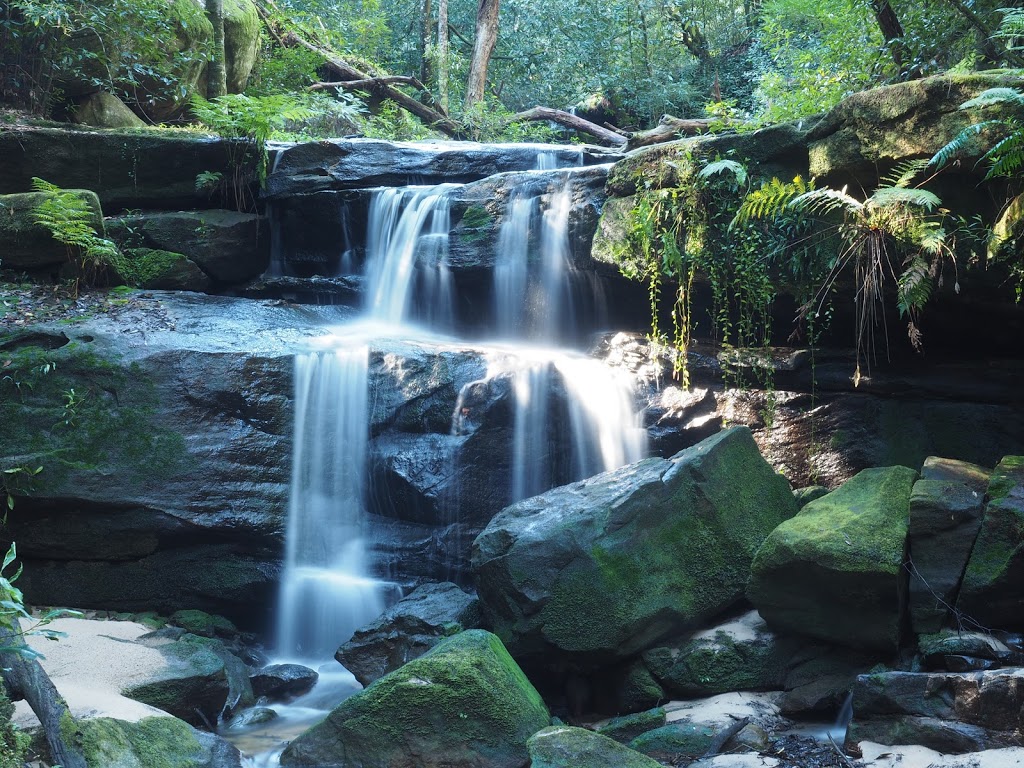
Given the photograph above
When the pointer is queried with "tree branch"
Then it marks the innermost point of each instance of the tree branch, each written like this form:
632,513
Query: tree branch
570,121
368,84
668,129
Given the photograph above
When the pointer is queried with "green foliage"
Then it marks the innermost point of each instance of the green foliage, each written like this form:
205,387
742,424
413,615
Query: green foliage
69,219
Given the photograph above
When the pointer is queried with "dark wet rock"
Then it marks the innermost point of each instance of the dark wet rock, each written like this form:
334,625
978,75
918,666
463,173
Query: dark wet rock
464,704
362,163
945,516
166,271
408,629
562,746
835,571
230,247
936,648
254,716
151,169
968,663
991,591
282,681
565,575
949,712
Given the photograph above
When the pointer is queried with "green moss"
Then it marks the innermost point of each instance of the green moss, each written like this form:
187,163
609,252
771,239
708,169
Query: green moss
145,265
628,727
203,623
675,741
563,746
153,742
13,743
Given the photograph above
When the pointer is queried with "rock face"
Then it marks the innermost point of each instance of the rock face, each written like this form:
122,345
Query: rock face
408,629
464,704
991,590
154,169
952,713
607,567
835,571
945,515
562,746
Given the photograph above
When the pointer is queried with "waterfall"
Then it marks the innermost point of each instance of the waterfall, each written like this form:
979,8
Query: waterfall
327,591
408,239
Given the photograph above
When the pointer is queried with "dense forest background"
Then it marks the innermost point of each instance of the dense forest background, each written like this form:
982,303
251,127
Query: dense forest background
617,62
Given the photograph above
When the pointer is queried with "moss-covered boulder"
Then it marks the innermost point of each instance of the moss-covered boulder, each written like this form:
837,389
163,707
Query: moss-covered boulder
992,592
835,571
104,110
203,624
153,742
241,41
945,516
26,245
602,569
228,246
562,746
408,629
156,269
463,704
625,728
193,686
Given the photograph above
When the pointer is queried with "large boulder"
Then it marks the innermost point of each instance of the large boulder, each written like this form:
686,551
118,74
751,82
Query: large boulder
835,571
945,515
562,746
30,246
241,41
602,569
408,629
105,110
464,704
153,741
949,712
992,592
230,247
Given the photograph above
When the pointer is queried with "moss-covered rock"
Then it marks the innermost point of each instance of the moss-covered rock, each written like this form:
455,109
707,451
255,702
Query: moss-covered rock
241,41
562,746
992,591
602,569
835,571
627,727
156,269
104,110
29,246
464,704
193,686
203,624
945,516
677,743
805,496
153,742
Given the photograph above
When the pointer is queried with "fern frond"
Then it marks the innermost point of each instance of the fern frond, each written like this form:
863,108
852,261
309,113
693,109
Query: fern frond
904,173
41,185
1006,227
770,200
920,198
1007,156
995,96
1011,28
825,201
932,237
724,166
961,143
915,286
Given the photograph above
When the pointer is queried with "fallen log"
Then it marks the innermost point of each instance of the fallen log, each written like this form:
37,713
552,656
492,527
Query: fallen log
669,129
572,122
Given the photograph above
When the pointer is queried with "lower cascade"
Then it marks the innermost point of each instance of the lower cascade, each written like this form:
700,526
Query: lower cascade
559,398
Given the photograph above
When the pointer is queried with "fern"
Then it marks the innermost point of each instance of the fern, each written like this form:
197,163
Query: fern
1009,222
889,196
995,96
823,202
1006,158
904,173
1011,28
962,143
724,166
770,200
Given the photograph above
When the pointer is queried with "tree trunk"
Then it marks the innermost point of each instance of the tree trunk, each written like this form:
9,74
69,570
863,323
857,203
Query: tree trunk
893,33
669,129
25,679
484,40
426,38
217,74
442,53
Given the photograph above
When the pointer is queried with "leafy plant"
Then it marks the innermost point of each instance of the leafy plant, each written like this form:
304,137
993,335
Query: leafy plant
69,219
15,620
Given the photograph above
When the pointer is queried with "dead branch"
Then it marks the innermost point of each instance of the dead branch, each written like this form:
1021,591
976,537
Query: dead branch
570,121
668,129
368,84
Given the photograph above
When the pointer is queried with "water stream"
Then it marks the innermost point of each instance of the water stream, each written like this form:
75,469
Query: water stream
331,583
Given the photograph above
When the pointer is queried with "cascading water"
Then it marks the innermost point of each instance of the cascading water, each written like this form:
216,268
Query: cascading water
573,417
327,591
